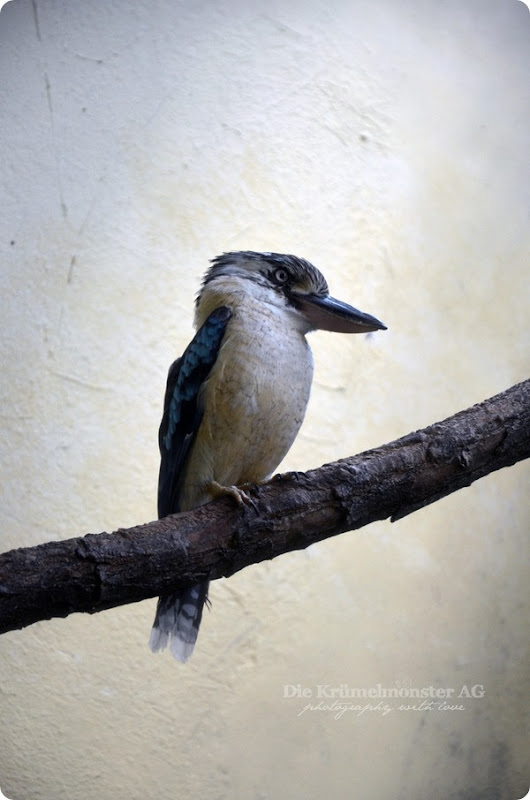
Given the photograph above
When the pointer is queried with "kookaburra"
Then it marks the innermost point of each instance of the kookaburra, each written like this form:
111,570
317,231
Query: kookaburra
235,400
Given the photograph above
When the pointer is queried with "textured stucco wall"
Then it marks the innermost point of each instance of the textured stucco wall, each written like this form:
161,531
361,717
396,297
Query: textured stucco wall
388,143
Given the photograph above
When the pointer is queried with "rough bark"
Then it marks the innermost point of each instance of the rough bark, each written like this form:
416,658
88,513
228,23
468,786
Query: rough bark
292,511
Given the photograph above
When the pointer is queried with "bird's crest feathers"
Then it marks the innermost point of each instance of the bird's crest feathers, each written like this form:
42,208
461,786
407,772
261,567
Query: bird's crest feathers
270,270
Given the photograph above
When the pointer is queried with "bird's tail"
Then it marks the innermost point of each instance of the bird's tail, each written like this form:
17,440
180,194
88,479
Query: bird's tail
177,620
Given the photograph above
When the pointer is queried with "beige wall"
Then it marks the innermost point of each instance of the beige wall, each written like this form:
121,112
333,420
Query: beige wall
388,143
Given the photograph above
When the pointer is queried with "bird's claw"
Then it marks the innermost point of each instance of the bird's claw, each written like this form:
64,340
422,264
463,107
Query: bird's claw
238,493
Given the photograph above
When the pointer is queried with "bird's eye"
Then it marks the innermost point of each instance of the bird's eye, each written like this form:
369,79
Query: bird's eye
281,275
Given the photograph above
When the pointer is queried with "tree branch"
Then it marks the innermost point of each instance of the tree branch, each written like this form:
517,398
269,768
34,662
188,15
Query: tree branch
292,511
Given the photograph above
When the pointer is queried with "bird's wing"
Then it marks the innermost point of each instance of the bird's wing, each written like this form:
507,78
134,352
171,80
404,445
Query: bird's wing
182,410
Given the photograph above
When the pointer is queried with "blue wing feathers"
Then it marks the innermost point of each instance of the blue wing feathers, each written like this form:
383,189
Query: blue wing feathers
182,415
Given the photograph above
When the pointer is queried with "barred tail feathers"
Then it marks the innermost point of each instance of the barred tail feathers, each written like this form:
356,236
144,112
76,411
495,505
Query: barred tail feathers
177,620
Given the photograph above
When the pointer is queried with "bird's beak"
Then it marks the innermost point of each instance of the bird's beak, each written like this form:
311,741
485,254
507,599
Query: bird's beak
328,314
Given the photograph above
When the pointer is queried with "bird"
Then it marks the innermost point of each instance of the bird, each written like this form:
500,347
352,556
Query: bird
235,400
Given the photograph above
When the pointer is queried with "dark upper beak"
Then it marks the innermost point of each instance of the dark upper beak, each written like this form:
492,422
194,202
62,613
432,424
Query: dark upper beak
329,314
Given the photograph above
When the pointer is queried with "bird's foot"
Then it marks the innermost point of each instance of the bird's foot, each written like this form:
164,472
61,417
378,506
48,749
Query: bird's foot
238,493
287,476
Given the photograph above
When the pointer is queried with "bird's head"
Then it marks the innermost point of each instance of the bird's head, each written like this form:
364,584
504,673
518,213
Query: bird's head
289,283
